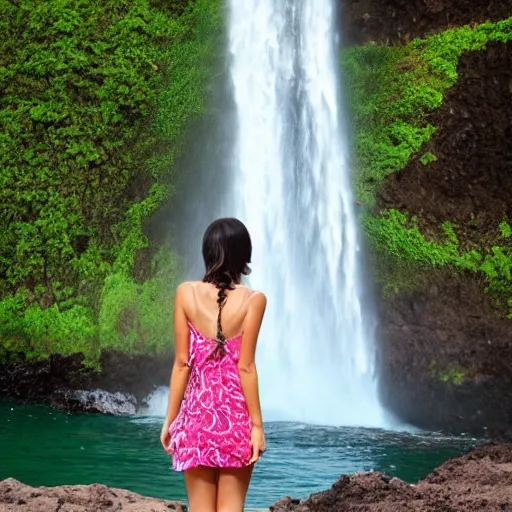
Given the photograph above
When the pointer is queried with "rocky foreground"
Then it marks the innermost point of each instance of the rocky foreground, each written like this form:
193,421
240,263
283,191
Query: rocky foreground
481,480
78,498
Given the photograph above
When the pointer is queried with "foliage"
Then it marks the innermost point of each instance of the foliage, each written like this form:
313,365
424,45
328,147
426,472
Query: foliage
95,104
395,234
392,90
129,230
428,158
453,375
35,333
137,318
76,80
188,65
505,229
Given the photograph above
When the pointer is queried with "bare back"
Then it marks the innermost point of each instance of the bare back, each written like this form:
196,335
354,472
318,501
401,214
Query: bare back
201,308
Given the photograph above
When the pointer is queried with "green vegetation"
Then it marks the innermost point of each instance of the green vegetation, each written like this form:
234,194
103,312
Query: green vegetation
392,90
428,158
95,105
96,101
454,375
399,237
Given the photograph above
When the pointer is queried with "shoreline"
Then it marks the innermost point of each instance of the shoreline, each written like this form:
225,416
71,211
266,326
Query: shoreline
481,479
65,383
123,384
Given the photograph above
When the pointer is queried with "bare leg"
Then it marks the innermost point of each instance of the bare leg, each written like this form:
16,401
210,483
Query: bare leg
201,486
232,488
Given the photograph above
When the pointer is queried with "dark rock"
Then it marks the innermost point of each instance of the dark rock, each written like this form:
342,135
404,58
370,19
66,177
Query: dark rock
479,480
398,20
98,401
135,374
448,322
284,505
65,382
470,183
15,496
416,363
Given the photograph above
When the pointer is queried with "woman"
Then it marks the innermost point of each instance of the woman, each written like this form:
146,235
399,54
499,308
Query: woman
213,427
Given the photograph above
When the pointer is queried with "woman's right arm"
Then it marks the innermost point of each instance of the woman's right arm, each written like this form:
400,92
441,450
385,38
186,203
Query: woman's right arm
181,370
248,373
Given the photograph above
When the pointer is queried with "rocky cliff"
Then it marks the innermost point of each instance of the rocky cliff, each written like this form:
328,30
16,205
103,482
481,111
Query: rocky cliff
398,20
433,160
480,480
447,343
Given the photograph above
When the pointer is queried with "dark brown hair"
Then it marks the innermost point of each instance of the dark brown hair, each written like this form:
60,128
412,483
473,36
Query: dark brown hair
227,253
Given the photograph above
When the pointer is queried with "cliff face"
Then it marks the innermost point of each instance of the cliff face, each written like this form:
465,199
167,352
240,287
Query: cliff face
470,182
396,20
434,159
95,105
447,358
447,347
433,122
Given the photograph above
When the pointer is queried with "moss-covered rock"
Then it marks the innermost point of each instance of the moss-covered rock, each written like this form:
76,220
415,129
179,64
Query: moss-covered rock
402,135
96,101
432,144
401,20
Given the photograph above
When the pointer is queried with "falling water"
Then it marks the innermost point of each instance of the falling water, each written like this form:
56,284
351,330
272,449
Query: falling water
285,174
292,188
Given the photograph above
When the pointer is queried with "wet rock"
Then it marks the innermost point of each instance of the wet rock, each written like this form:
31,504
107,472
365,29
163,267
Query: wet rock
15,496
98,401
285,505
65,382
455,382
479,480
39,379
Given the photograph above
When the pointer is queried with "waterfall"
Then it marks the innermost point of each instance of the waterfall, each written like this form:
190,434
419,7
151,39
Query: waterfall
285,173
292,188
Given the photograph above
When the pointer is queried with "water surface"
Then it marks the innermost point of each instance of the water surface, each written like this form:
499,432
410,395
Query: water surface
41,446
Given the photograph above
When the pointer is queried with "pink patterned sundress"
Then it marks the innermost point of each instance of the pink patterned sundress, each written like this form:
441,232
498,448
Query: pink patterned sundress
213,427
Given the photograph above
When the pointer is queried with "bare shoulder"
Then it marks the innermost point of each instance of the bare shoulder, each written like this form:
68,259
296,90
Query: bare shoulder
189,284
257,299
186,288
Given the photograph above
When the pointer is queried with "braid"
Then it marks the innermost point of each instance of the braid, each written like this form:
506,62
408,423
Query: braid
221,301
220,349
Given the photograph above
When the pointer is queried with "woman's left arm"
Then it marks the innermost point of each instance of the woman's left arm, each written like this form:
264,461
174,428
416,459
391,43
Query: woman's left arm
180,370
